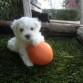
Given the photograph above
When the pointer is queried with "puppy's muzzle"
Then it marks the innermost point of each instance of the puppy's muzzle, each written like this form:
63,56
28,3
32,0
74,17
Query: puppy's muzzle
27,36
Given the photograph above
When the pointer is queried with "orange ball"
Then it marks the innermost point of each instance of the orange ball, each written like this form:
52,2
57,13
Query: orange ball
41,54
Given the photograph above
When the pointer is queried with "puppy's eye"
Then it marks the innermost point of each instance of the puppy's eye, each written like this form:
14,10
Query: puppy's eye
32,28
21,30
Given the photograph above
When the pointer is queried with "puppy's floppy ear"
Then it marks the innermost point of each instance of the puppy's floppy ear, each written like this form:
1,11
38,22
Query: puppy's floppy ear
37,23
14,25
36,19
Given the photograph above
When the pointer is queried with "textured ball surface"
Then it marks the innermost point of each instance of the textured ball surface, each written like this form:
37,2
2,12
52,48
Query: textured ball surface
41,54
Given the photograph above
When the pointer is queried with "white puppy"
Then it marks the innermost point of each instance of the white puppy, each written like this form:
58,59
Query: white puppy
26,31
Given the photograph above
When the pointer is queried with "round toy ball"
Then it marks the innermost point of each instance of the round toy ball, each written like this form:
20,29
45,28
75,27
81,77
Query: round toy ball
41,54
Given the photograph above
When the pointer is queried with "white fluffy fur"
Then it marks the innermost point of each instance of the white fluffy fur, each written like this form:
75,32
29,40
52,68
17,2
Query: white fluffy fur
21,28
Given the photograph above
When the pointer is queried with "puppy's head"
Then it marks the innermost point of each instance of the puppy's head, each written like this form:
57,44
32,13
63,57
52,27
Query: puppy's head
25,28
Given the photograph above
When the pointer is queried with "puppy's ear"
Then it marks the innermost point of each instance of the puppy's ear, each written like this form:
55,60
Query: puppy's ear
36,19
14,25
37,23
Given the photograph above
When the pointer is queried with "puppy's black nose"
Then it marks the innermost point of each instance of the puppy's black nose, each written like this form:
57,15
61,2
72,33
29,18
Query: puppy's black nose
27,36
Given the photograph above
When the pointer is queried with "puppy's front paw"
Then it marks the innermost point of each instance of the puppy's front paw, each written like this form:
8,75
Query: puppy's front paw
29,64
34,43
